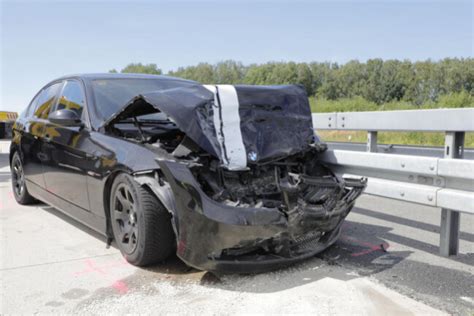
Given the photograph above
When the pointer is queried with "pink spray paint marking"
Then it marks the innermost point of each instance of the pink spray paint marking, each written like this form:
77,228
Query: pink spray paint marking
103,271
11,196
9,201
120,286
372,247
91,267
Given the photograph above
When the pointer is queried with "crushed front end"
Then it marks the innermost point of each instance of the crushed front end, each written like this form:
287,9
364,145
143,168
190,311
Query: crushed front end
242,165
258,219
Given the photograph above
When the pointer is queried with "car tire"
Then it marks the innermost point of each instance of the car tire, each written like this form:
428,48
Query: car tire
20,191
141,225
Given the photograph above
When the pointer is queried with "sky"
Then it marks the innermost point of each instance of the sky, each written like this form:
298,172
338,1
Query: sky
43,40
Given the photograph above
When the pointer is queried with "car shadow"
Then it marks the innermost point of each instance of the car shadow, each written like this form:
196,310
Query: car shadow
363,250
408,240
409,222
347,249
352,256
368,240
54,211
172,265
359,243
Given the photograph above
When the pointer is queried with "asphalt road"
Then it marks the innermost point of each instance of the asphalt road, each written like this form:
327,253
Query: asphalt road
386,262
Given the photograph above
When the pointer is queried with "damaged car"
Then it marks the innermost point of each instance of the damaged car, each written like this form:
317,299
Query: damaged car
228,177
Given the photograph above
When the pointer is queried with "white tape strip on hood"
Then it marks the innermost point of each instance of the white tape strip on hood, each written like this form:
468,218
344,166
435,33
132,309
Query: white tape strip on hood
227,123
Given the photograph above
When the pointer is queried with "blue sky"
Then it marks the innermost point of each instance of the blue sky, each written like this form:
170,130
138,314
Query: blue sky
42,40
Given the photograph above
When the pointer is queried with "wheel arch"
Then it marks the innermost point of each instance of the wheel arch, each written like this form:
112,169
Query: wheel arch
106,200
152,180
13,150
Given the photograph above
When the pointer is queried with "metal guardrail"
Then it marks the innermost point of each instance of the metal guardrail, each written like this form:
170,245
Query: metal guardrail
424,151
440,120
436,177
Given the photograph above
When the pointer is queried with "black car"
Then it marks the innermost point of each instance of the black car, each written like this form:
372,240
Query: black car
226,176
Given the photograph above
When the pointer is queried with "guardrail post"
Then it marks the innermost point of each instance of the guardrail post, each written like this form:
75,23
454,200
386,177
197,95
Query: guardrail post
372,141
450,220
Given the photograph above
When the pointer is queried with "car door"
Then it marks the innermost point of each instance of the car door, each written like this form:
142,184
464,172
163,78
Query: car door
66,167
32,128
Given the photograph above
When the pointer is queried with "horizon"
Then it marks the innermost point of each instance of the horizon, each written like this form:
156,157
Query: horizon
95,37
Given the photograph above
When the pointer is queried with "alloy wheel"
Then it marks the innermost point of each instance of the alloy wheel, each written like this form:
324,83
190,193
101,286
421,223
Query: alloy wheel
18,177
125,218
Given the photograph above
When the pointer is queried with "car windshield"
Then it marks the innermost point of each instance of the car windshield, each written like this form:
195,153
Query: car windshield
110,95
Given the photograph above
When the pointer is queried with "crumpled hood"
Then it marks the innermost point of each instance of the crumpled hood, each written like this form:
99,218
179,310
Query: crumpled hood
239,124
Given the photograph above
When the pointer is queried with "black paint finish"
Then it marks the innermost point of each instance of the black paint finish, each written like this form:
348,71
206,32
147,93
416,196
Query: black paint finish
70,166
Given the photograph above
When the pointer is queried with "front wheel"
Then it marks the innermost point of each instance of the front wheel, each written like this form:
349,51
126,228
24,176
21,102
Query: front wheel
20,192
140,223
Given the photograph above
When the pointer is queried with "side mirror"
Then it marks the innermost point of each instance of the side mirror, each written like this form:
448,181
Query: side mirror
65,117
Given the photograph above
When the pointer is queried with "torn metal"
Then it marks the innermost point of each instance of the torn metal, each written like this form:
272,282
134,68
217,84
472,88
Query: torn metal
238,168
240,125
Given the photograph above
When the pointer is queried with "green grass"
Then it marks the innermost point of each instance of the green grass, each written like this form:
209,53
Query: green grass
407,138
357,104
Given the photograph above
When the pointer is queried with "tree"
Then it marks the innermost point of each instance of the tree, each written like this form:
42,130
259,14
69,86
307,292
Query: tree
229,72
304,77
375,81
320,74
139,68
259,74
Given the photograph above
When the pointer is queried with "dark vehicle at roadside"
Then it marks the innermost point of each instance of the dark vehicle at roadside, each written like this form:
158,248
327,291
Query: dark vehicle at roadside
228,177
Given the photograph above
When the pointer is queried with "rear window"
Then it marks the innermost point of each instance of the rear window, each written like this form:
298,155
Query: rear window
110,95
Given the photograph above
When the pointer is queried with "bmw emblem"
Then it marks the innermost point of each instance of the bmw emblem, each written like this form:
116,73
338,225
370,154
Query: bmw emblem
252,156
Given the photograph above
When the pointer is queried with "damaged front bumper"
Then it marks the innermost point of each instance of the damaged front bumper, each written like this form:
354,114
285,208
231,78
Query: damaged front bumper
217,237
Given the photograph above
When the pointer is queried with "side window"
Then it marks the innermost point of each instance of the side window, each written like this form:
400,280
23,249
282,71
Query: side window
46,100
32,107
72,97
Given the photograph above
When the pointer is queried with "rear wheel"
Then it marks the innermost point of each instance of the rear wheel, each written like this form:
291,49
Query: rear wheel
141,225
20,192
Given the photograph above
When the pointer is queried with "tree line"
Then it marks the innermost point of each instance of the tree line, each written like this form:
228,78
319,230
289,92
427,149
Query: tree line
377,81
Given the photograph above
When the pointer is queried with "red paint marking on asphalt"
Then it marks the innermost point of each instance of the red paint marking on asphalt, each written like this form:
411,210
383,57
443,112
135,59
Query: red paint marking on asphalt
103,272
372,247
91,267
9,201
120,286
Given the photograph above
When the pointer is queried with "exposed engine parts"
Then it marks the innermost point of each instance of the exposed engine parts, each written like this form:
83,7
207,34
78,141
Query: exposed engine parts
242,174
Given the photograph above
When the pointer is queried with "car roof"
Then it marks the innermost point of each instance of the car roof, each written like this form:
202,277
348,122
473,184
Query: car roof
93,76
